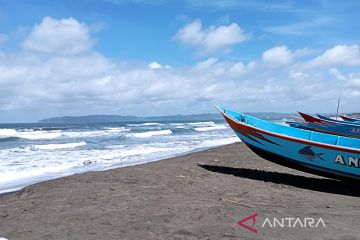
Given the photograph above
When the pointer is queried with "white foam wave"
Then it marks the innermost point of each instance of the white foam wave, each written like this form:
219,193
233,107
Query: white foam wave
59,146
144,124
126,152
179,125
204,129
6,132
149,134
219,142
201,123
116,129
33,171
37,135
29,134
95,133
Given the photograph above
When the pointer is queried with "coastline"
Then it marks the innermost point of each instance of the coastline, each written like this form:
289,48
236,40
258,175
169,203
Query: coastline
200,195
39,179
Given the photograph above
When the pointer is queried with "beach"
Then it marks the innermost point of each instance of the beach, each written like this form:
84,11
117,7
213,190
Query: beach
200,195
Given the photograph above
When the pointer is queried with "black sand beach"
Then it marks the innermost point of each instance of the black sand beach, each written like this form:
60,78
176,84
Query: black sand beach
197,196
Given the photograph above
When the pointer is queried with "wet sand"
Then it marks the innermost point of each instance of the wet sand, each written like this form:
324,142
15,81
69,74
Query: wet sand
197,196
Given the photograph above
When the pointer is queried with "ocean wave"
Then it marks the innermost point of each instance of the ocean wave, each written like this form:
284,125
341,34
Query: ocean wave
59,146
116,129
202,123
37,135
144,124
34,171
32,134
212,128
29,134
6,133
96,133
179,125
219,142
127,152
149,134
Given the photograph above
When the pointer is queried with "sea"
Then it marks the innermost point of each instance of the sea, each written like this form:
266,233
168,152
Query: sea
35,152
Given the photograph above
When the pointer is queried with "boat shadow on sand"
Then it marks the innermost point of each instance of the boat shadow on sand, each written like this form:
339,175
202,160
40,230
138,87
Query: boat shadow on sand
326,185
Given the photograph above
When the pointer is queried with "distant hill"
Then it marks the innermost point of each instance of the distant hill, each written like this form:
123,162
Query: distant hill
119,118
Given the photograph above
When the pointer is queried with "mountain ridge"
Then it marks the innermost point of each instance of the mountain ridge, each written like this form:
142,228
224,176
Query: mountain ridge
128,118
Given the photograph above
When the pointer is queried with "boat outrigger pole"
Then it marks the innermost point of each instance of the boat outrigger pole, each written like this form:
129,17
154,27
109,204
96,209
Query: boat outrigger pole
337,110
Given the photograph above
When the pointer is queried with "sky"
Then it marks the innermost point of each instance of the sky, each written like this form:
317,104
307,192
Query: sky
157,57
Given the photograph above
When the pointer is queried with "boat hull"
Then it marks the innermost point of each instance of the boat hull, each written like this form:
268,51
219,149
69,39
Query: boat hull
335,120
290,163
299,153
332,126
349,119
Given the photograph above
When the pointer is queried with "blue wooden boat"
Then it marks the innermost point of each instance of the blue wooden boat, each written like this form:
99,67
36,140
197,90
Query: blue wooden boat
336,121
332,127
349,119
305,150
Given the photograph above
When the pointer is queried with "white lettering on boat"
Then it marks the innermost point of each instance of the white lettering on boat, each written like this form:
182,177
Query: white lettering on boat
355,130
351,161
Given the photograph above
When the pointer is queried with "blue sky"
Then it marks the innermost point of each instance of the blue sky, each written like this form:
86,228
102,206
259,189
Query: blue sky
156,57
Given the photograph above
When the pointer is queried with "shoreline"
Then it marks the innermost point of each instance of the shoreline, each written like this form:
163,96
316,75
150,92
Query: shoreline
115,166
198,195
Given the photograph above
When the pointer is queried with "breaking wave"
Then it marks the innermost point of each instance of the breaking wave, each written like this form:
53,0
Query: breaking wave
144,124
29,134
59,146
149,134
201,123
212,128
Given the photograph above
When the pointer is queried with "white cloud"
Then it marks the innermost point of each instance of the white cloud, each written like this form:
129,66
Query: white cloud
337,74
302,52
63,36
282,55
354,82
65,85
240,68
340,55
213,39
352,87
203,65
214,67
277,56
154,65
297,75
54,84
